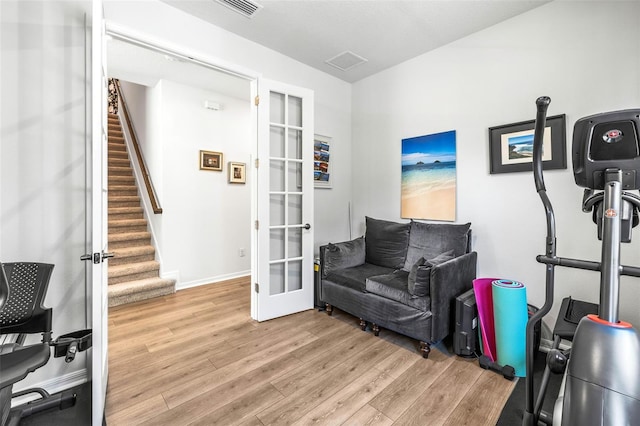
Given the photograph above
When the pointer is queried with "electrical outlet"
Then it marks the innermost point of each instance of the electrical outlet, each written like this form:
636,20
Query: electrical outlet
241,252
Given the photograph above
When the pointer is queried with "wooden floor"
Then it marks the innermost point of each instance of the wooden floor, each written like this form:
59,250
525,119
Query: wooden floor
196,357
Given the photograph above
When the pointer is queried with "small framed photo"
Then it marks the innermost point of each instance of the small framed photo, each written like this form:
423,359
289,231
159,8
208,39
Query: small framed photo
210,160
237,172
511,146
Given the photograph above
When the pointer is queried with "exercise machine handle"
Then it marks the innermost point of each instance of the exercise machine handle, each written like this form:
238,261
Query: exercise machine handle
542,104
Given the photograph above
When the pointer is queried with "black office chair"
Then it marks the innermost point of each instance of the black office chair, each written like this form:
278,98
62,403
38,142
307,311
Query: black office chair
23,287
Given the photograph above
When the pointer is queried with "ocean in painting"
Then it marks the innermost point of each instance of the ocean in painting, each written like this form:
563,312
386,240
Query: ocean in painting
419,179
521,146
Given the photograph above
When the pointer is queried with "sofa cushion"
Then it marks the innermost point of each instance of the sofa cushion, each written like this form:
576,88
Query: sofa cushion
356,276
343,255
393,286
386,242
429,240
419,278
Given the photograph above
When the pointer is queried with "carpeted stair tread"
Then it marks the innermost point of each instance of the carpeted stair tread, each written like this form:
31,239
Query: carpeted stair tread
123,201
122,180
133,251
115,238
133,254
133,268
119,162
134,291
126,215
124,210
119,186
116,226
123,190
127,222
129,239
119,171
118,154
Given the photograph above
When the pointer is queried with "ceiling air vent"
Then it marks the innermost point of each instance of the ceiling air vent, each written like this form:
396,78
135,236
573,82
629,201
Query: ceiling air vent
244,7
346,60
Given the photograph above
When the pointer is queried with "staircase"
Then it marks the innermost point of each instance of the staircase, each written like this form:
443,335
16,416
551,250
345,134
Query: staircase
134,274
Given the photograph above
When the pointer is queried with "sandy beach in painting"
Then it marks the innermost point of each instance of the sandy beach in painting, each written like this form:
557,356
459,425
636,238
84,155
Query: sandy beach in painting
429,191
439,204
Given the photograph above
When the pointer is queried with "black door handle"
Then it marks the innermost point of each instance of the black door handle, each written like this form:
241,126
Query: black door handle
307,226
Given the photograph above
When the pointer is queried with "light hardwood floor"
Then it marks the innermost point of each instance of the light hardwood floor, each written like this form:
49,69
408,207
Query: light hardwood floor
196,357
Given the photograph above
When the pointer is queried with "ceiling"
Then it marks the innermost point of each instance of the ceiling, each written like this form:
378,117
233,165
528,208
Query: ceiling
384,32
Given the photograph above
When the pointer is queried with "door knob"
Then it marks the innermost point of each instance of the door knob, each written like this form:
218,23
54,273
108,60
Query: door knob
307,226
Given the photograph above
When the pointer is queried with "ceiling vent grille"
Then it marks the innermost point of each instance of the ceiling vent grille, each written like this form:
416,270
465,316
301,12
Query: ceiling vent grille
346,60
244,7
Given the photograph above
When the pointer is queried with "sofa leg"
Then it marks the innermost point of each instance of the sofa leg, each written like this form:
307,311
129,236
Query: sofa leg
425,348
376,329
363,324
328,308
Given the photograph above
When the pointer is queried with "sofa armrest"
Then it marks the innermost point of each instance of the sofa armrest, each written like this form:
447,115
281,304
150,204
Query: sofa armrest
448,281
346,254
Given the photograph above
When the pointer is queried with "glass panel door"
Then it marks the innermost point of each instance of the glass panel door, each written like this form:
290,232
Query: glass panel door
284,273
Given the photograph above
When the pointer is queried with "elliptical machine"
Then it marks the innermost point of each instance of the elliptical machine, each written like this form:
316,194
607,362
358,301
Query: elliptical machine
601,385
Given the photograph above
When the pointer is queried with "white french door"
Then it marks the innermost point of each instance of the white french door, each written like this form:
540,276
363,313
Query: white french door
98,220
282,258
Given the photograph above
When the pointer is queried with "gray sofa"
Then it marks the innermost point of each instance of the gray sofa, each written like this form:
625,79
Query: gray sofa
402,277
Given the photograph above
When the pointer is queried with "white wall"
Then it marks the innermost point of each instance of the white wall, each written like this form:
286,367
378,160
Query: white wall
42,157
584,55
332,96
207,219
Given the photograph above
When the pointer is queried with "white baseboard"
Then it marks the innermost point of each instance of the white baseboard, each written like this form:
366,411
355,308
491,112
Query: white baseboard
190,284
55,385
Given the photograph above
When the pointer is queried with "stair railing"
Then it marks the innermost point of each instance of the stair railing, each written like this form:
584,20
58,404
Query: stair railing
155,204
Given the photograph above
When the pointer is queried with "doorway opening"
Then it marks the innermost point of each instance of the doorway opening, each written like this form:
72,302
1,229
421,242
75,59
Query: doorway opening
186,111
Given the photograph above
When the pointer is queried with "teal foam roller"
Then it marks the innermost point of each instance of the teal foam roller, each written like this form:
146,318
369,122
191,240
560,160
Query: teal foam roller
510,319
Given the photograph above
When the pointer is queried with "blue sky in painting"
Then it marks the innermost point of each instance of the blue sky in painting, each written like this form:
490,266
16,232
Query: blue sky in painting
429,148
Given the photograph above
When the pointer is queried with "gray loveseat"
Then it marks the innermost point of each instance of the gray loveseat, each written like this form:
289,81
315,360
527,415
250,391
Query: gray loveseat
402,277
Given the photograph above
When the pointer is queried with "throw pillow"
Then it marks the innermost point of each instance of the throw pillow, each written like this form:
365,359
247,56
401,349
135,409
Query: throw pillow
419,278
441,258
343,255
386,242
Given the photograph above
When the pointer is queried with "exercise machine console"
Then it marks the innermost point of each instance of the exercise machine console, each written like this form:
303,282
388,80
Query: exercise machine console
601,385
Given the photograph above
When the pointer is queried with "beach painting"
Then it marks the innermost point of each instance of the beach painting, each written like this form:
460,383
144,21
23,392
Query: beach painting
517,147
429,177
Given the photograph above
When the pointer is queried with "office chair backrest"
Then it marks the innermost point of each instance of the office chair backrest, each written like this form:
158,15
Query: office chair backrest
23,311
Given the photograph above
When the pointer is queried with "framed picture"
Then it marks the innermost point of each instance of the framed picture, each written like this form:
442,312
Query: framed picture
428,177
511,146
237,172
321,161
210,160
